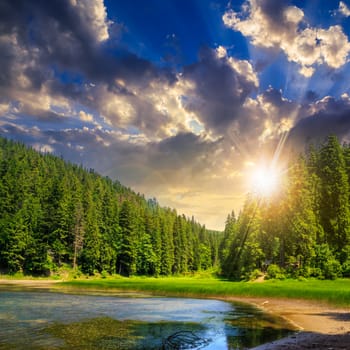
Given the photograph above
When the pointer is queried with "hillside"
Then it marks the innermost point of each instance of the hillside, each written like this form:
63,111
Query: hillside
54,213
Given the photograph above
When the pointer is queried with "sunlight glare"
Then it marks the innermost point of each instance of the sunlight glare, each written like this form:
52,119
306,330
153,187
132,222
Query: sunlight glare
265,180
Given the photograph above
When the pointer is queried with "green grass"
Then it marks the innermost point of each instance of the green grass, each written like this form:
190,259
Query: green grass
21,276
336,292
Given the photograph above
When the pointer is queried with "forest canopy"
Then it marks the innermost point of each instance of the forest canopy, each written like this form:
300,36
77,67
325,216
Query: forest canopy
303,230
54,213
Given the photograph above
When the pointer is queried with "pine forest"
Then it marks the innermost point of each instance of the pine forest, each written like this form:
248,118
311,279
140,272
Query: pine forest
301,231
53,214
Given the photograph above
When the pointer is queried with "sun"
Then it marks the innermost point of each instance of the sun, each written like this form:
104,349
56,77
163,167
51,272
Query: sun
265,180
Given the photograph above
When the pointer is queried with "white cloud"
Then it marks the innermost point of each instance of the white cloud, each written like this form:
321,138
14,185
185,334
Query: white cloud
334,46
242,67
156,110
86,117
343,9
94,12
43,148
4,108
253,22
307,47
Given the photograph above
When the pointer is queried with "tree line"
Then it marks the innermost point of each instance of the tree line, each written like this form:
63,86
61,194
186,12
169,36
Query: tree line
303,230
54,213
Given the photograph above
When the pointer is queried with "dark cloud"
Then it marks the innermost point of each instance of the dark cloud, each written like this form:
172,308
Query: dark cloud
273,96
61,50
330,117
220,90
284,108
174,158
181,151
274,10
273,13
56,34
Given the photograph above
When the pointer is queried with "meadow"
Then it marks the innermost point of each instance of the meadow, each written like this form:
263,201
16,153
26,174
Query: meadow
332,292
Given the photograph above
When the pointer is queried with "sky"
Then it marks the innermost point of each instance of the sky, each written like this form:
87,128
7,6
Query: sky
181,100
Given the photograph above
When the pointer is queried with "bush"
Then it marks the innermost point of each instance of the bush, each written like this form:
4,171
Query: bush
332,269
327,262
317,273
252,275
302,279
346,269
275,272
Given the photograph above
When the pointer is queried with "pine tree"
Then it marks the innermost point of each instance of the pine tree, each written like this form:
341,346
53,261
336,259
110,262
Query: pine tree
247,225
126,262
334,204
301,226
54,213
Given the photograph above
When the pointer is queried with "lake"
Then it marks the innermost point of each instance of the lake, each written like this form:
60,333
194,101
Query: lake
50,320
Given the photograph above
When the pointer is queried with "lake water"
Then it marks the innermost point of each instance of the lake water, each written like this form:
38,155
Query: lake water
47,320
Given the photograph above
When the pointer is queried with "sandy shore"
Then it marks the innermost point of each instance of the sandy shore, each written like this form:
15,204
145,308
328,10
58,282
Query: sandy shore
320,326
29,283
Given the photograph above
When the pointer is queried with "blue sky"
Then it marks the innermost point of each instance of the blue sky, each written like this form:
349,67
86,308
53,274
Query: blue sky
181,100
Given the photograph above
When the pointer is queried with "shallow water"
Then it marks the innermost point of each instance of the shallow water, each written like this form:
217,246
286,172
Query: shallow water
48,320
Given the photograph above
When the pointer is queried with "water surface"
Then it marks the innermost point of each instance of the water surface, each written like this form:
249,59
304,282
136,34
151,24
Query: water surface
47,320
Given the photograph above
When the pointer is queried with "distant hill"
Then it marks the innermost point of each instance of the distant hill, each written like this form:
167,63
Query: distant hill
53,212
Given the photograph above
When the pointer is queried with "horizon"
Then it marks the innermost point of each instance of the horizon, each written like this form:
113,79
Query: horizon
178,100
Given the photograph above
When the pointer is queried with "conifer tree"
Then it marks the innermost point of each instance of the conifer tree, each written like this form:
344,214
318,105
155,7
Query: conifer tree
126,262
54,214
334,203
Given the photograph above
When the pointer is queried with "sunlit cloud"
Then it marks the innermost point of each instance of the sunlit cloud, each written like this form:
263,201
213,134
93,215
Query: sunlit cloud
344,9
86,117
281,28
93,12
187,129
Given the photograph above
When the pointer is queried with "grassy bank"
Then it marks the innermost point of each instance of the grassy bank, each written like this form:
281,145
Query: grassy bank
333,292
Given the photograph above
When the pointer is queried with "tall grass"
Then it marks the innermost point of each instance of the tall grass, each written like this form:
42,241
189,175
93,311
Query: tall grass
332,292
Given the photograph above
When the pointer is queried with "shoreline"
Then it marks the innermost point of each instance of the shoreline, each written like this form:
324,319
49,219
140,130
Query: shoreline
320,326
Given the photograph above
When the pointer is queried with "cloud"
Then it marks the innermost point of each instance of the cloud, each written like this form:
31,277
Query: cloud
343,9
276,114
93,12
86,117
268,25
81,18
43,148
58,56
217,87
46,40
322,118
181,164
68,86
282,27
4,108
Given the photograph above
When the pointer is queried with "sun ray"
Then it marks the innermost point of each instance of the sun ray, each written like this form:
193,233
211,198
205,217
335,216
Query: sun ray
265,180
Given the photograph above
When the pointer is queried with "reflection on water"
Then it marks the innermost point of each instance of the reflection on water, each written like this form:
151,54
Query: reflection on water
44,320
